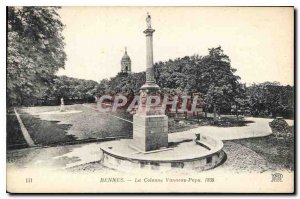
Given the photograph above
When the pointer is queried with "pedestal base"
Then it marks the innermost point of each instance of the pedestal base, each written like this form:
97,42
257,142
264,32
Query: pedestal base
150,132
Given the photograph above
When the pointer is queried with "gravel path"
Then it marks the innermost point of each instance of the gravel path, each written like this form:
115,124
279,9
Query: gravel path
258,128
242,159
52,158
85,157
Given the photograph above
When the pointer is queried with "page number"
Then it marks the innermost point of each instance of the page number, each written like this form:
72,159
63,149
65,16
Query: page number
28,180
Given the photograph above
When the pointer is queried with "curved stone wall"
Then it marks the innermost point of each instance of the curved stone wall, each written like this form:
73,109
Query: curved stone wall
210,159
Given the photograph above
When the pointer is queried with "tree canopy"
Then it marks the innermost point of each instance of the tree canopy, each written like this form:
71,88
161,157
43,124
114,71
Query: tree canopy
211,75
270,99
73,88
35,51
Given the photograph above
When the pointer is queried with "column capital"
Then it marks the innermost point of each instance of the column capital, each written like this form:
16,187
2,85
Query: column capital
149,31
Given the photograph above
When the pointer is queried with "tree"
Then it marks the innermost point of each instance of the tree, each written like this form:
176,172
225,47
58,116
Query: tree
101,88
222,85
211,75
35,52
71,88
126,83
270,99
176,74
240,100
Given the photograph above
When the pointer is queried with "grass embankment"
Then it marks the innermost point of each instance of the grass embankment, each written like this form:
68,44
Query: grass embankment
45,132
182,124
224,121
278,151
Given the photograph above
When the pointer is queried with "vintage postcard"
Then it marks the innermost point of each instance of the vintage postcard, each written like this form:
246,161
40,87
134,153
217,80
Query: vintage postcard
150,100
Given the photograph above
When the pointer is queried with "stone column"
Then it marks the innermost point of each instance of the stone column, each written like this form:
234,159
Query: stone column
150,128
149,56
150,86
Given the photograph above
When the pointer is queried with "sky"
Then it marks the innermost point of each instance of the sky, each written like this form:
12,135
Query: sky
258,40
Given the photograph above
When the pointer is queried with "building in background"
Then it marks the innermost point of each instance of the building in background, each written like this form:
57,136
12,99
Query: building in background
125,63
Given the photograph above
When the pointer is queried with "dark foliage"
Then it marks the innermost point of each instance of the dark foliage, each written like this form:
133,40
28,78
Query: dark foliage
15,139
35,52
270,99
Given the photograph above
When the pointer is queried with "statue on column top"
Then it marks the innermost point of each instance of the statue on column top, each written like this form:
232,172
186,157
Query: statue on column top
148,20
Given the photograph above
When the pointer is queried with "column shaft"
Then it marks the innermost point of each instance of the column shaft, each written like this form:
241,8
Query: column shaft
149,56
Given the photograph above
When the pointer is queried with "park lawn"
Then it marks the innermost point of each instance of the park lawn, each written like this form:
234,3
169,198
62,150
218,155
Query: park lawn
60,129
278,152
45,132
87,125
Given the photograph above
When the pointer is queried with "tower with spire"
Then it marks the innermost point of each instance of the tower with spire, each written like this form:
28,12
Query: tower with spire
126,63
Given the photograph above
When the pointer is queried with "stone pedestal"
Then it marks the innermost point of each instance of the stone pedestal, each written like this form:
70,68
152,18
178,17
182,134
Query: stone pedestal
150,132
